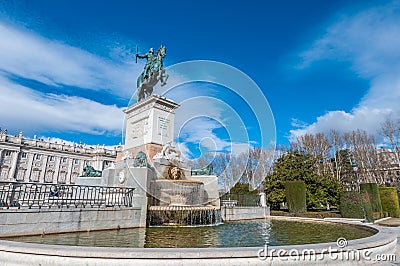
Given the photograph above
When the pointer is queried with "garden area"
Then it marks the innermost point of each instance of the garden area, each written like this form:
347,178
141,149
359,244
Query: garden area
335,175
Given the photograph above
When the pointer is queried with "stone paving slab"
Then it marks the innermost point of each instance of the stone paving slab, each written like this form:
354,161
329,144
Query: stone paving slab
394,225
394,222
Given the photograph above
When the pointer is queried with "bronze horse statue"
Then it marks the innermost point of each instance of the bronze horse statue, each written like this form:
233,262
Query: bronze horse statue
155,73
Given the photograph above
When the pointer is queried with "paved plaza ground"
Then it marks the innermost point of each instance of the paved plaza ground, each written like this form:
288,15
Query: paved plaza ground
394,224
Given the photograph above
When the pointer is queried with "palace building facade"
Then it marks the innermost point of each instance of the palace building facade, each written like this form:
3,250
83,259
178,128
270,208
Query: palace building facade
36,160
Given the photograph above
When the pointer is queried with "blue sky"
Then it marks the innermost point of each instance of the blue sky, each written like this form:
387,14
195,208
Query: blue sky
67,68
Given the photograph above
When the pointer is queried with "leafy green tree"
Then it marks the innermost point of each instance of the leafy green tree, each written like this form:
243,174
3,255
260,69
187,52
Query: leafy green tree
344,165
297,165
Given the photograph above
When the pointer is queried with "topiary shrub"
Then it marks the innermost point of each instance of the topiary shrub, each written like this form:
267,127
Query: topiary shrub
373,194
296,196
390,201
368,214
354,204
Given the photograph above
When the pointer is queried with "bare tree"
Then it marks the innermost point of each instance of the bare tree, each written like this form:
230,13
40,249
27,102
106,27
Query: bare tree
259,164
319,147
229,168
337,146
366,156
390,130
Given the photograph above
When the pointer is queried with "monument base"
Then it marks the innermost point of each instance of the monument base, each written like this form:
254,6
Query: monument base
150,150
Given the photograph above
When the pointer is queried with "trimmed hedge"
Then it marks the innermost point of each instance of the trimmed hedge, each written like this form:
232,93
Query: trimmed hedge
390,201
320,215
296,196
373,194
354,204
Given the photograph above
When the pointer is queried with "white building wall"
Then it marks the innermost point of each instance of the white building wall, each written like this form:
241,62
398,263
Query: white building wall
37,160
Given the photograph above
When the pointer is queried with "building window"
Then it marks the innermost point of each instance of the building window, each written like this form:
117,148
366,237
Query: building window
63,160
62,177
37,157
49,177
76,161
23,155
4,174
51,158
8,153
35,175
20,175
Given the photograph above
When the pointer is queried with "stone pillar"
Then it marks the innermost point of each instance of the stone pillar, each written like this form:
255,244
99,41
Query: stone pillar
29,167
69,171
263,199
14,162
81,165
97,163
1,155
43,169
57,169
1,159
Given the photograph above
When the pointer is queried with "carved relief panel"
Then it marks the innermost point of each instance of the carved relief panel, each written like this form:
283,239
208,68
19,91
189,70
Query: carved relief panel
138,128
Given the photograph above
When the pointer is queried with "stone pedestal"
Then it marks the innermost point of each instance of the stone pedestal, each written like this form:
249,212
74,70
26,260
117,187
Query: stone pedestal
88,181
149,125
126,175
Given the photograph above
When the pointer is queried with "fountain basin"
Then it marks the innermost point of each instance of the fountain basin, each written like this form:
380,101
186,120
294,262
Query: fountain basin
16,253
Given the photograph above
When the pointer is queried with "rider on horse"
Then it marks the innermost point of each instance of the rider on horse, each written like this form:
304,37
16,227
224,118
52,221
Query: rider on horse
153,72
150,57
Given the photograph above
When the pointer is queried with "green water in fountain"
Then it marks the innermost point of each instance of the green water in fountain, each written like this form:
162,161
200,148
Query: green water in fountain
248,233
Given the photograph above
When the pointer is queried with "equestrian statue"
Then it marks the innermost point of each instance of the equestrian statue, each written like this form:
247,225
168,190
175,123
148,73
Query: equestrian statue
153,72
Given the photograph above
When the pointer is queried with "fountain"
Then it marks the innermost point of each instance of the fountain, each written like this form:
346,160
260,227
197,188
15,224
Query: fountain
151,163
180,202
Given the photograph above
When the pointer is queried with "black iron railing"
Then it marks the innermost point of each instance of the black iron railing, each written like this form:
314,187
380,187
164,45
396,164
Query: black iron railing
39,195
240,200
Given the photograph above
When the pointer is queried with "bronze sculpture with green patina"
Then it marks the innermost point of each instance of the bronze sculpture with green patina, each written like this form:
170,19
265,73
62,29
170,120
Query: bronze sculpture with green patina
140,160
89,171
205,170
153,72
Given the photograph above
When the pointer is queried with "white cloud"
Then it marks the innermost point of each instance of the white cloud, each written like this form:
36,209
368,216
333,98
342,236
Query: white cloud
28,55
200,118
23,109
216,105
196,122
370,41
25,54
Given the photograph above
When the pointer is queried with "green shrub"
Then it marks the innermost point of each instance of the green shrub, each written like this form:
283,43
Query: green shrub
296,196
390,201
354,204
373,194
